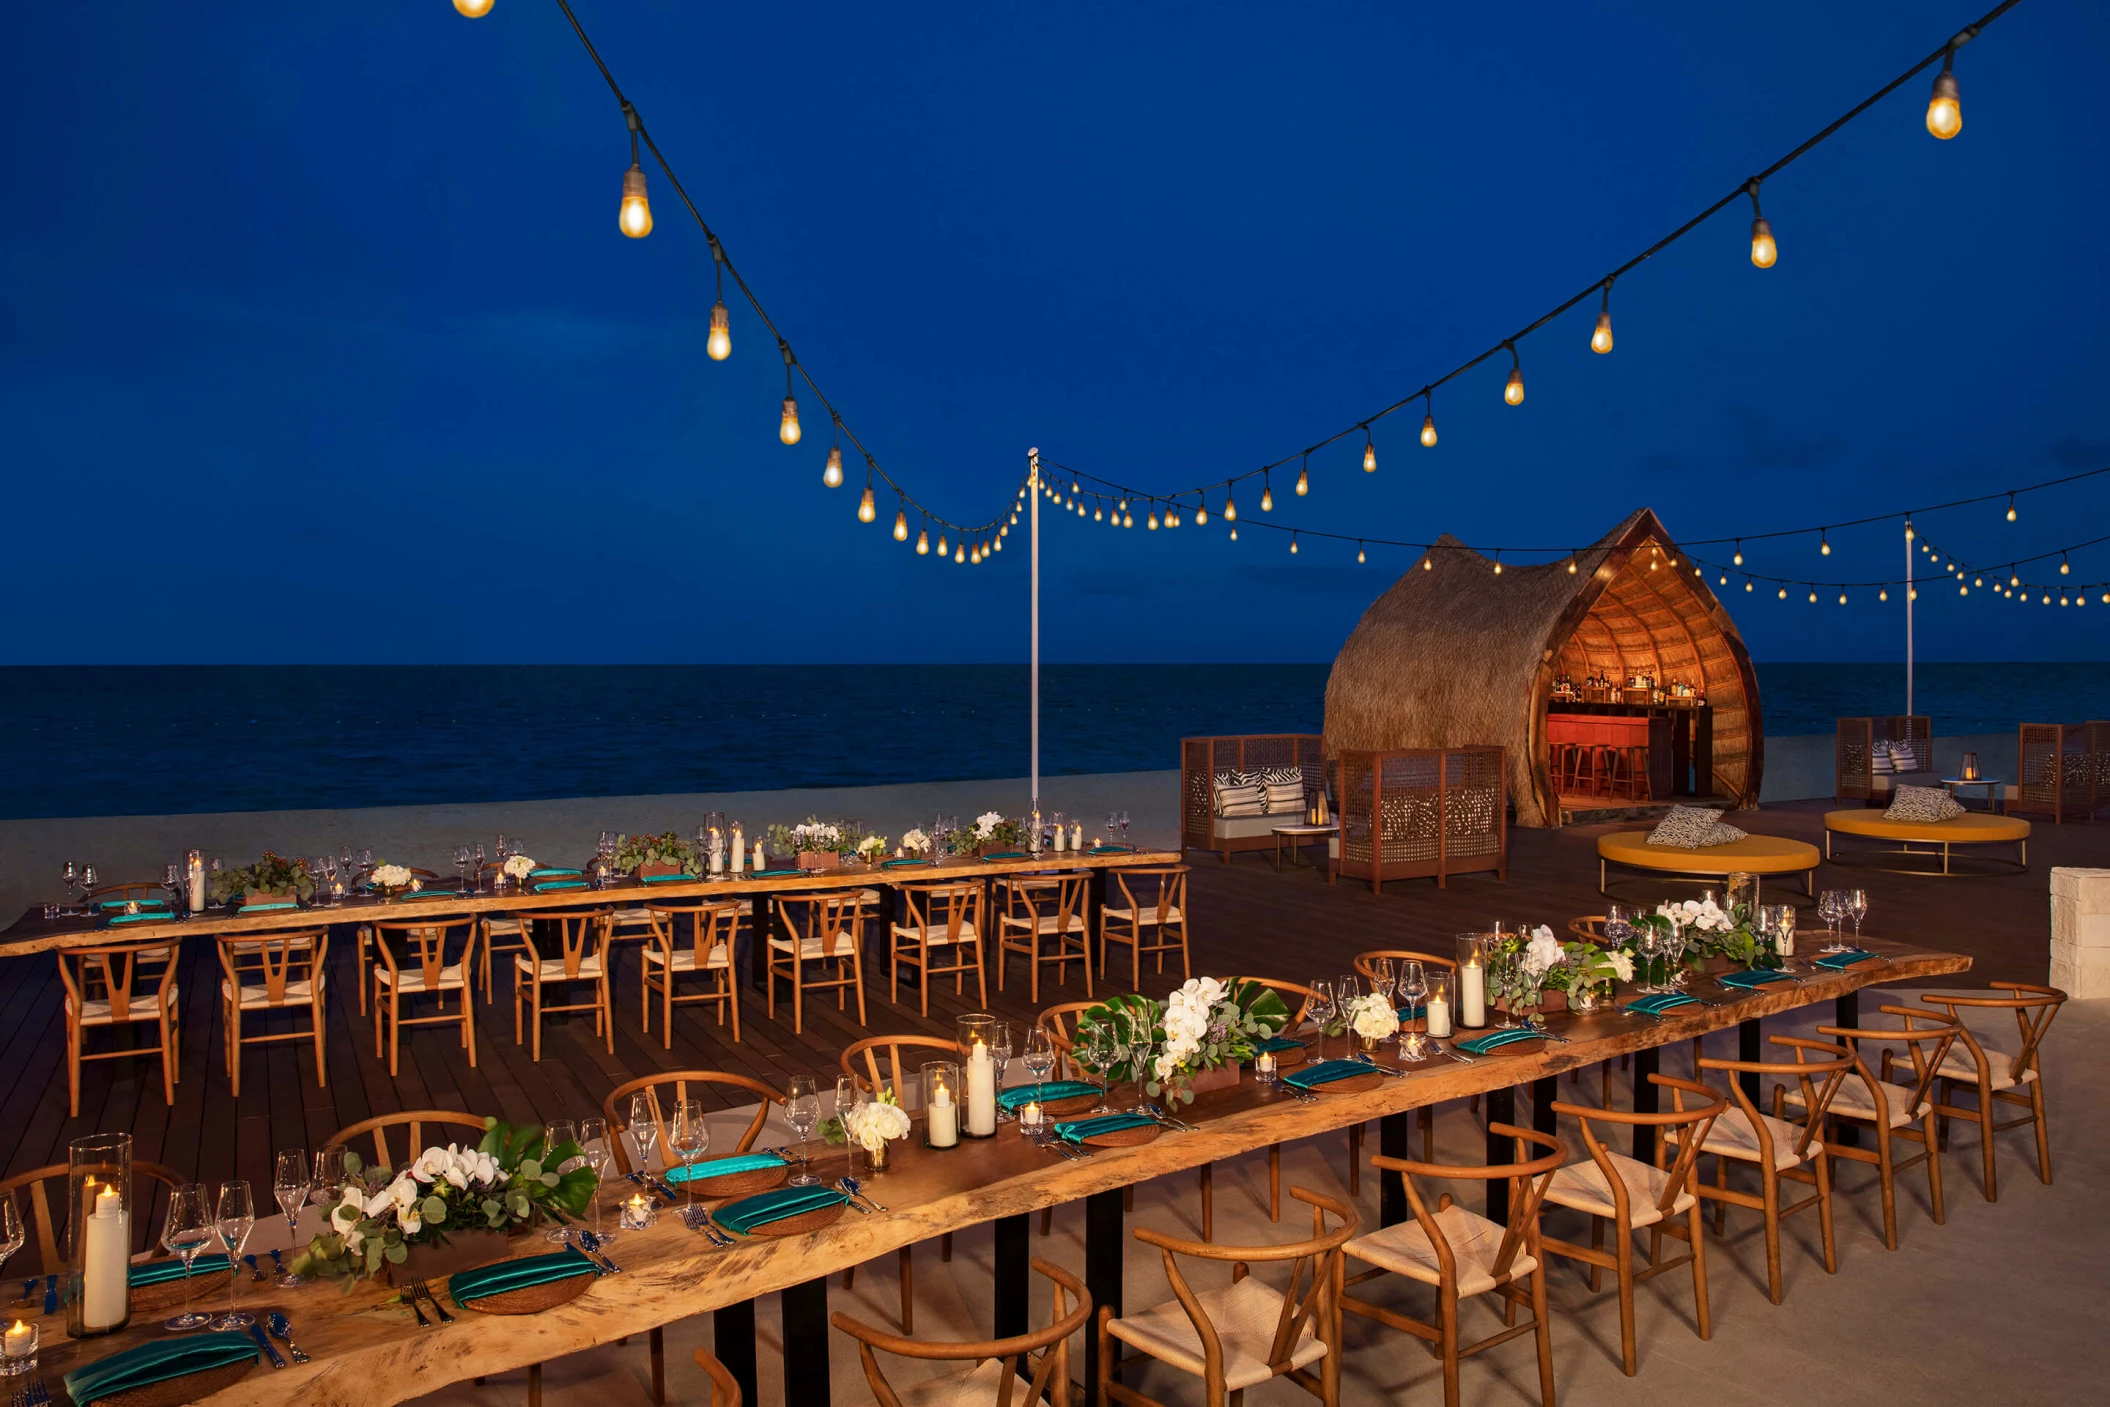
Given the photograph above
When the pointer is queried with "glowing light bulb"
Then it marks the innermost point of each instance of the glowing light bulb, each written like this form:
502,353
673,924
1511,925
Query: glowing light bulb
1571,566
1962,590
1359,553
1267,499
1747,586
1824,545
1738,559
1978,581
1201,516
1428,431
1882,595
832,476
2011,508
1912,593
1128,520
720,343
943,551
1842,598
635,217
901,526
1303,483
1945,105
1098,515
477,9
1909,534
1498,566
788,427
999,545
975,556
1763,250
1230,509
1369,456
1153,520
959,553
1428,564
1601,339
1813,598
2065,567
1783,593
1234,534
1514,391
2014,581
1172,516
1292,544
866,512
923,543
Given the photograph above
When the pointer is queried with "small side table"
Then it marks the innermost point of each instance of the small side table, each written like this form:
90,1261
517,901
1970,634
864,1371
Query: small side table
1297,835
1994,791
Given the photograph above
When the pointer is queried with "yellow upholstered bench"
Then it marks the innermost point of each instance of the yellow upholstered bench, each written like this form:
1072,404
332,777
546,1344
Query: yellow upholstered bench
1972,828
1754,854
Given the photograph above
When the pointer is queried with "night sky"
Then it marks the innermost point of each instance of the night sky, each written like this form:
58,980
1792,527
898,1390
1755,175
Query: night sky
321,343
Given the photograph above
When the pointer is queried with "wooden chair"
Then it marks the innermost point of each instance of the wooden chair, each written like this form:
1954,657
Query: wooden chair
725,1392
1891,1109
946,917
1630,1195
1776,1148
902,1081
1366,968
143,890
1463,1255
118,984
436,958
709,952
46,1232
1246,1333
1996,1074
1003,1373
582,956
500,934
273,972
415,1120
828,927
634,1153
1125,917
1297,997
1039,908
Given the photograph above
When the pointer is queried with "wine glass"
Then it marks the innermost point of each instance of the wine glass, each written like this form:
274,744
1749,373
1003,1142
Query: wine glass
72,877
1618,925
691,1138
11,1236
1414,989
1857,907
290,1184
88,880
593,1137
1098,1051
1139,1048
643,1129
1503,968
1832,908
234,1216
1384,977
1040,1059
554,1134
476,857
461,866
1124,828
1000,1050
1319,1007
1113,823
187,1230
802,1110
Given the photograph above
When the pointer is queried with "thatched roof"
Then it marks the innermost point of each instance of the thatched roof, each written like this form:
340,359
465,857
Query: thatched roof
1455,653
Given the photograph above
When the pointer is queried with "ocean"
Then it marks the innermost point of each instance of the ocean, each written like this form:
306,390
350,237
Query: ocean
153,740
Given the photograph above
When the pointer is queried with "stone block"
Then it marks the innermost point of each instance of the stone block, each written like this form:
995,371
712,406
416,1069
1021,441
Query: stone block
2080,931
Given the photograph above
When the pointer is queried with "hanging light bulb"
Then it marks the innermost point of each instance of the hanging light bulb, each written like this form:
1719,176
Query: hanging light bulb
1738,559
1292,544
720,343
2014,581
998,545
1571,566
1128,520
923,540
1428,421
901,525
942,549
976,555
1978,581
1304,477
1763,250
1498,561
1359,555
1783,593
475,9
1912,593
1813,598
1152,520
1514,391
1267,495
1962,590
1601,339
1908,530
866,510
635,217
1172,514
2064,566
1230,507
1945,104
1723,580
959,552
1428,564
1201,514
1882,595
788,425
1824,544
2011,508
1747,584
832,476
1099,514
1842,598
1369,452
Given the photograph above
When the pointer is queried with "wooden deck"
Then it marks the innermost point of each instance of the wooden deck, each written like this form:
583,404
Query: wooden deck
1246,918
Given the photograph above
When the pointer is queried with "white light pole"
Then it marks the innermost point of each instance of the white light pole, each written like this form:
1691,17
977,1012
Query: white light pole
1033,531
1908,617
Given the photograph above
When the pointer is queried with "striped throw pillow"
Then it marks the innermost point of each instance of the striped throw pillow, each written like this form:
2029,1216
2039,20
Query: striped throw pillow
1241,801
1284,797
1281,776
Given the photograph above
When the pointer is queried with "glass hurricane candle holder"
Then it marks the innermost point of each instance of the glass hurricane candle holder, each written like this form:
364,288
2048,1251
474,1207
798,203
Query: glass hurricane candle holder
942,1104
98,1234
639,1213
977,1035
1473,951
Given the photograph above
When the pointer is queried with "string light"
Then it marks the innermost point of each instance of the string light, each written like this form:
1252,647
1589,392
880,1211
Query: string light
1813,598
1172,514
866,512
1571,564
635,216
1153,516
788,426
1498,561
1230,508
1428,564
472,9
923,538
943,550
959,553
1783,593
2064,566
1908,530
1292,544
1267,495
1842,598
1882,595
1099,513
1945,104
1738,559
1514,391
1601,339
832,476
1824,544
1428,421
1369,452
1763,250
719,345
1359,554
1201,514
1304,476
1234,534
2011,508
901,523
1747,583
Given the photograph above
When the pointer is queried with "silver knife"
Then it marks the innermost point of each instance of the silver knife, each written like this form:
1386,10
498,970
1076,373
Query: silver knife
277,1359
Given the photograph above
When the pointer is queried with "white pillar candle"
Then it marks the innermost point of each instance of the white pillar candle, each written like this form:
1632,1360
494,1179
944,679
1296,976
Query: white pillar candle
194,877
981,1092
1439,1012
739,850
104,1262
1472,994
1062,839
944,1117
1077,835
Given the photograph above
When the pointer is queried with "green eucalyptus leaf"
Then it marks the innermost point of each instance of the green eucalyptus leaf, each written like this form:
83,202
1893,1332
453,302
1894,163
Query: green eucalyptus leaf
396,1253
353,1164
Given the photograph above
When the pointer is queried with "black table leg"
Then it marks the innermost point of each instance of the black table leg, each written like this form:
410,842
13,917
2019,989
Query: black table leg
1391,1186
1748,1049
733,1339
1846,1013
1543,1119
1501,1107
1104,1245
1014,1258
1645,1062
806,1344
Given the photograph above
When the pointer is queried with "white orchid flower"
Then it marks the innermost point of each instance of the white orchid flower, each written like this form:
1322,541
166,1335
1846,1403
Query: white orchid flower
1622,965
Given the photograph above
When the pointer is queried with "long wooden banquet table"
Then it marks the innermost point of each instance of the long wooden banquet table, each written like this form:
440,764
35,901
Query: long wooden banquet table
366,1352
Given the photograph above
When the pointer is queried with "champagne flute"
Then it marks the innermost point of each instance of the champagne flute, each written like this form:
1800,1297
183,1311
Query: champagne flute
643,1129
1000,1050
1139,1047
1831,907
555,1133
802,1110
1414,987
290,1184
593,1137
187,1230
691,1138
234,1216
1857,906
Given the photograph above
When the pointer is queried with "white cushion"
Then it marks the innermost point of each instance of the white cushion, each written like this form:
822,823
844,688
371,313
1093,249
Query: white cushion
413,978
97,1013
257,995
1733,1137
974,1388
501,925
1854,1101
1244,827
1244,1316
1582,1187
1241,801
815,947
1150,914
553,968
685,957
1046,923
1474,1241
940,933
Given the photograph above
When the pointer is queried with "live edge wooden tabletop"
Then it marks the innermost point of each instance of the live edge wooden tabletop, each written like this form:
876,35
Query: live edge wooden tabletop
34,933
368,1353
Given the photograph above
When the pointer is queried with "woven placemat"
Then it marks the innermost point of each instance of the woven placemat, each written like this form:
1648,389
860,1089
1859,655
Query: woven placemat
533,1299
1123,1138
739,1184
1352,1084
1075,1104
174,1391
802,1223
170,1294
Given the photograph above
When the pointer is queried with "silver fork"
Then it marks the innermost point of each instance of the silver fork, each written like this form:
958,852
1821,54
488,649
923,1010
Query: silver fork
698,1219
415,1308
857,1189
1159,1112
424,1291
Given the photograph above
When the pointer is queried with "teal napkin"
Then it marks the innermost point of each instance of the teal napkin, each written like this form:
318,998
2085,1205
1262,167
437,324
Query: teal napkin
547,885
1111,850
1016,1098
667,878
143,903
1078,1130
1656,1003
517,1274
748,1213
1007,855
152,1363
720,1167
1277,1044
1481,1045
892,864
1412,1013
549,873
260,908
1839,962
1326,1072
777,874
153,916
158,1272
1751,978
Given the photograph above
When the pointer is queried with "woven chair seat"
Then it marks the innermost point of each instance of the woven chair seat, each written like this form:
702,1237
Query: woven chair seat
685,958
2000,1066
1582,1187
975,1388
1244,1314
1854,1101
814,947
413,979
1733,1137
1149,914
1045,923
257,996
1406,1250
97,1013
553,968
939,936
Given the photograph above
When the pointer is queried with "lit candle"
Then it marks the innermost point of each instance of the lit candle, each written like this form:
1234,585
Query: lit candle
1472,993
1029,1117
717,851
19,1341
1076,835
194,877
105,1292
1062,839
944,1129
739,850
637,1213
981,1093
1439,1014
1264,1067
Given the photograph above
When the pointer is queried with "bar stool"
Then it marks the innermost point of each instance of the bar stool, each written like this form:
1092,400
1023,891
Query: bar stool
1637,773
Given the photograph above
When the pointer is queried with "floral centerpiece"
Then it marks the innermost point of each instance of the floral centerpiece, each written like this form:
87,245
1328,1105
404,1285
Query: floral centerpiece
1205,1029
1373,1018
464,1201
992,830
1586,973
871,848
915,842
517,868
273,877
870,1125
1707,930
1519,964
392,879
666,853
818,844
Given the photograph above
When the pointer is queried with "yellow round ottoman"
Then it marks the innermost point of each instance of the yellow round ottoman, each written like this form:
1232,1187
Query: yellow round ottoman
1972,828
1754,854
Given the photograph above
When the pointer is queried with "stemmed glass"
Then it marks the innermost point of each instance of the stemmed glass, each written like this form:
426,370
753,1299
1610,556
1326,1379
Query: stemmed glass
1414,988
290,1184
691,1138
1000,1050
330,1176
1124,828
1384,977
476,872
172,881
1503,969
1099,1050
1113,823
1857,908
802,1110
188,1230
1320,1008
461,866
235,1216
72,876
1040,1059
11,1236
88,880
556,1133
1833,908
1139,1048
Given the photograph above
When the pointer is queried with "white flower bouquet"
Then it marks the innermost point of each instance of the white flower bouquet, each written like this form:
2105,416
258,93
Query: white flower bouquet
876,1122
1373,1017
915,842
1206,1024
386,876
518,867
872,847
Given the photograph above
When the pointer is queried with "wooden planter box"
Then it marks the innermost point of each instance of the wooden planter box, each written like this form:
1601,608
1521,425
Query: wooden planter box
820,860
1222,1077
259,897
465,1250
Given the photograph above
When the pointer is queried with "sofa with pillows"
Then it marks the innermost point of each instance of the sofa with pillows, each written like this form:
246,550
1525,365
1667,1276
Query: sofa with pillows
1236,790
1875,754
